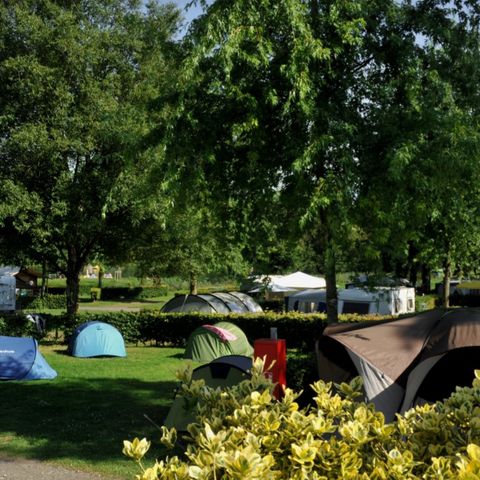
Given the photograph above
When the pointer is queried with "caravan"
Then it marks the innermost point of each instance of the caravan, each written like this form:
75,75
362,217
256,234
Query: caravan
7,293
378,301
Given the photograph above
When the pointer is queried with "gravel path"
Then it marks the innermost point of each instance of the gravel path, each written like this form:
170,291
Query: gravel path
22,469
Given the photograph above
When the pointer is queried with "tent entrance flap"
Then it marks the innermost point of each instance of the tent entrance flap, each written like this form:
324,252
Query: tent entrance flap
404,361
380,390
217,374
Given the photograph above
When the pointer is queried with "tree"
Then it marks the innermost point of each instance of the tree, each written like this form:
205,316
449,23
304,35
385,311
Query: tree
76,81
423,177
271,101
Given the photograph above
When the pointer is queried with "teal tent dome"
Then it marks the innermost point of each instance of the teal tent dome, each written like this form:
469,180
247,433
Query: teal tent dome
97,339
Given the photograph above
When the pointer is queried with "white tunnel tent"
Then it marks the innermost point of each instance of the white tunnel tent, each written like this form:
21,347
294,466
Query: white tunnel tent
219,302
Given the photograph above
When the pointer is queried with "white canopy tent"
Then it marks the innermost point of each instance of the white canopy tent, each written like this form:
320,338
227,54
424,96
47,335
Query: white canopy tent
287,283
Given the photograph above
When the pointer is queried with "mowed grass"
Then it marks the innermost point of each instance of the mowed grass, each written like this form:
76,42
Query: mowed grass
81,418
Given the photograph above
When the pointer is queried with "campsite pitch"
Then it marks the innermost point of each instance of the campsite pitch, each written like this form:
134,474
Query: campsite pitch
80,419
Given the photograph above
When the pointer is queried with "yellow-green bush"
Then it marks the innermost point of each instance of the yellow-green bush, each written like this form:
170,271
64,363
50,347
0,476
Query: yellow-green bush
242,432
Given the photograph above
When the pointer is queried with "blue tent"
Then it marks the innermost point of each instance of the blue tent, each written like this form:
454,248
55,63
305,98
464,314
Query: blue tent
20,359
97,339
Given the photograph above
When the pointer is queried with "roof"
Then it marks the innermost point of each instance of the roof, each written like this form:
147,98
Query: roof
346,294
11,270
217,302
288,283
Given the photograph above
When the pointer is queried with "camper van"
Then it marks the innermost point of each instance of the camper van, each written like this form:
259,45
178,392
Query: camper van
379,301
7,293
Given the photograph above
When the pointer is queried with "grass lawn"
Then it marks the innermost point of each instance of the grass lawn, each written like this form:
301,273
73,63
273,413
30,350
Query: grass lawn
81,418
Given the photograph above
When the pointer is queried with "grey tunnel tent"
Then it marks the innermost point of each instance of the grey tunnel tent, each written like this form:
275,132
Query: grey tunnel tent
404,362
221,373
220,302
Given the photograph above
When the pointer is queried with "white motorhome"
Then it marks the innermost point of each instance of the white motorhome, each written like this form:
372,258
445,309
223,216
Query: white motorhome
380,301
7,293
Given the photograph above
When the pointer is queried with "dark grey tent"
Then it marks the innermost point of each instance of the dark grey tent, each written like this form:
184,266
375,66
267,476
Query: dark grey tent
404,362
220,302
220,373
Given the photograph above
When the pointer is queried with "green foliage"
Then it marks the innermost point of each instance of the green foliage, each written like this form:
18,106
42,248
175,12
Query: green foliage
243,432
114,293
302,371
95,293
153,292
49,301
165,328
300,330
425,302
17,326
421,167
76,81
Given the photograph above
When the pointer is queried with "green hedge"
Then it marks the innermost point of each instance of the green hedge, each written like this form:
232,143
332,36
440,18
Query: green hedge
299,330
47,301
18,325
115,293
84,290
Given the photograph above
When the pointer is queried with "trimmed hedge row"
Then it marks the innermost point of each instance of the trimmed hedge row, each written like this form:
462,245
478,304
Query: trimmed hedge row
299,330
47,301
83,290
115,293
174,329
18,325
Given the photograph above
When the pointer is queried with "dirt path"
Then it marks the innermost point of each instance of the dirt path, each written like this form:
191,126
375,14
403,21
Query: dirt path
22,469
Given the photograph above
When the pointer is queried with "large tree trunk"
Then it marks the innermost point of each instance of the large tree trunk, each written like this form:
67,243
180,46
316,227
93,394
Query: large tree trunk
73,287
331,281
100,276
74,267
412,270
43,286
193,284
447,267
426,280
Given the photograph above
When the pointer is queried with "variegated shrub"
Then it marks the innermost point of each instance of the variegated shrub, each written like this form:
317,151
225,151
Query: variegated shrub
243,432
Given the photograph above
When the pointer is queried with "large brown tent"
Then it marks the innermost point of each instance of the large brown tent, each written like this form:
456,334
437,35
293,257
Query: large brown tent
406,361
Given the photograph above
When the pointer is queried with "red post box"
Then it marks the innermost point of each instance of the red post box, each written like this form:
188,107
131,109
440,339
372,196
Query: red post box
274,350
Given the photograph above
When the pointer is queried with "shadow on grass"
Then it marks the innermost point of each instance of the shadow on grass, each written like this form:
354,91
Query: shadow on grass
176,355
83,420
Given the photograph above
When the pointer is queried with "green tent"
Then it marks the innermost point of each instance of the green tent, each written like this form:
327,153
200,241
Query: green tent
212,341
221,373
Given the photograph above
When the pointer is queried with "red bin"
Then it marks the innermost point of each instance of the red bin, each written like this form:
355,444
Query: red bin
274,350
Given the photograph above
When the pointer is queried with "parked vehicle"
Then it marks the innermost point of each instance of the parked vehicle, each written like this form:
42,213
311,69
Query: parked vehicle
379,300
